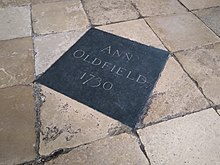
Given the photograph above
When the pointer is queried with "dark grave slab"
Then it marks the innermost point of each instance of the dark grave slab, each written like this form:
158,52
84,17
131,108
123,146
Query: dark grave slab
108,73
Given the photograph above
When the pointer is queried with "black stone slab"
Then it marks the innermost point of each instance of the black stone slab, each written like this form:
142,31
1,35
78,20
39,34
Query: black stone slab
109,73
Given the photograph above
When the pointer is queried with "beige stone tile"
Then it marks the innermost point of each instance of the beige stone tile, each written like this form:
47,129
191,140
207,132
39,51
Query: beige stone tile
158,7
103,12
47,1
211,17
68,123
51,47
136,30
15,22
17,120
193,139
58,17
203,64
6,3
174,94
121,149
16,62
182,31
218,111
195,4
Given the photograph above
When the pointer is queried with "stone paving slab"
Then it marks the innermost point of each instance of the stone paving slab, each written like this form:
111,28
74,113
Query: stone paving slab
51,47
47,1
201,4
58,17
122,149
182,31
17,120
136,30
67,123
174,95
211,17
158,7
203,64
104,12
15,22
193,139
16,62
6,3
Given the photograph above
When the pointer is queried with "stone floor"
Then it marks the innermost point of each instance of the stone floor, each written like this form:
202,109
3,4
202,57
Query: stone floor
41,126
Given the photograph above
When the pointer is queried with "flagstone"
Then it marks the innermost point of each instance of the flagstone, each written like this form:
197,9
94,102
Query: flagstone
16,62
192,139
66,123
175,94
121,149
17,125
203,64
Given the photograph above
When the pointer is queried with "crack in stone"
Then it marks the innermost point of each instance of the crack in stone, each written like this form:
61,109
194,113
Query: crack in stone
141,145
38,104
211,103
171,117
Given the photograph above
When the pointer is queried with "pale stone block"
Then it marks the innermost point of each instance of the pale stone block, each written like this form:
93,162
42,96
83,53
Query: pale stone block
104,12
58,17
203,64
15,22
16,62
192,139
122,149
68,123
174,94
17,120
136,30
182,31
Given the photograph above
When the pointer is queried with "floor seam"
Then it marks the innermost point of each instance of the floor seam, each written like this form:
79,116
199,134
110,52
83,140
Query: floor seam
157,35
211,103
141,145
173,117
205,24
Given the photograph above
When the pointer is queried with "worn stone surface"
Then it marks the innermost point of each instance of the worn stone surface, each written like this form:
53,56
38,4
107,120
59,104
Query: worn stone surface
121,149
51,47
158,7
136,30
211,17
68,123
17,119
194,4
103,12
47,1
58,17
15,22
16,62
182,31
174,94
203,64
218,111
193,139
6,3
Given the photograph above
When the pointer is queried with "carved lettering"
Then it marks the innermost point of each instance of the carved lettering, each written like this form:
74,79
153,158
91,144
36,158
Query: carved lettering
108,49
96,61
128,76
120,71
106,64
78,53
141,79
